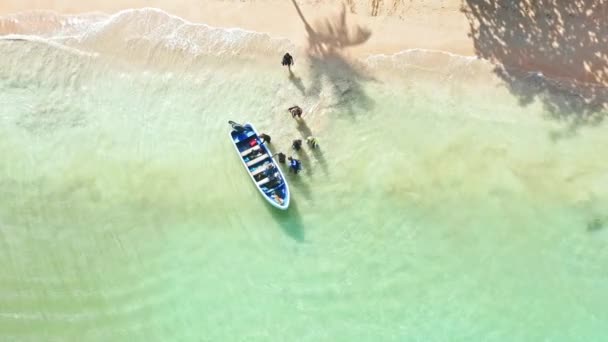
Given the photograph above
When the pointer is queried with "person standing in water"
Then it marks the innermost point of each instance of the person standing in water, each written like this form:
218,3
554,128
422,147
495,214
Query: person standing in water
312,141
265,138
281,156
297,144
294,165
295,111
287,61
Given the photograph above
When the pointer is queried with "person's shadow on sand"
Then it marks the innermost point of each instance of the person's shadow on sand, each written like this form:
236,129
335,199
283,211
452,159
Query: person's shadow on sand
297,82
316,152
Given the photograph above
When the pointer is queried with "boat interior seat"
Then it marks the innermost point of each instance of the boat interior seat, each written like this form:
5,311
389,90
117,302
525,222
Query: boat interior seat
264,181
260,169
244,138
267,179
273,189
254,148
257,160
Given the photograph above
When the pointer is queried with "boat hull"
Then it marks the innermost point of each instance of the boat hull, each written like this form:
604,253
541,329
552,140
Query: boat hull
260,165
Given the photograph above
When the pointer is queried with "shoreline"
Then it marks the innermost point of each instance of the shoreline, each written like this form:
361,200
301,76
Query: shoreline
425,28
450,26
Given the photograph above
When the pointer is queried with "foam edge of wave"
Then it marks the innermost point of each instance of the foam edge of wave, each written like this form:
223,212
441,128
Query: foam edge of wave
50,43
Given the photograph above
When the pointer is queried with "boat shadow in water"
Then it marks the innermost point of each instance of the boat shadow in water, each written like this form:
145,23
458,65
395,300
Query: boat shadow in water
290,221
596,224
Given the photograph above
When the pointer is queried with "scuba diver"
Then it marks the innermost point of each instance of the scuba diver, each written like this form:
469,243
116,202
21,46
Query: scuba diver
281,156
295,111
311,141
294,165
297,144
287,61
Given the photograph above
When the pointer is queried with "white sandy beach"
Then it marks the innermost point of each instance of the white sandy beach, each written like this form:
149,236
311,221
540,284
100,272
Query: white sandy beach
436,25
557,38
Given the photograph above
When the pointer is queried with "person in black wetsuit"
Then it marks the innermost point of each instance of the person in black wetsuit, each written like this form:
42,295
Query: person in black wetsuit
236,126
287,61
295,111
265,138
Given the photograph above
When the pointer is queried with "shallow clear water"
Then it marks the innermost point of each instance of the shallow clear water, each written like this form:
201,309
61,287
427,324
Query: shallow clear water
437,207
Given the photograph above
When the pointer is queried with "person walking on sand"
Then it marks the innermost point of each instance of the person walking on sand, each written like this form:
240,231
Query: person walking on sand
287,61
295,111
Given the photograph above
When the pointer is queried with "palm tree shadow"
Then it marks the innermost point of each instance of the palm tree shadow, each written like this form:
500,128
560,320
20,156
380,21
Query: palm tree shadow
325,45
290,221
562,40
346,82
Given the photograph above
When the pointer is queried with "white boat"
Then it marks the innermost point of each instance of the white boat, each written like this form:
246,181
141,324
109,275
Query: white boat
260,165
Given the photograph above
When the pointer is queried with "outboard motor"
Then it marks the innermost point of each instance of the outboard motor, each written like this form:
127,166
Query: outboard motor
237,127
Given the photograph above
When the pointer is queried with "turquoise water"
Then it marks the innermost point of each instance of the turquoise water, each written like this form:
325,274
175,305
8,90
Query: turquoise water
437,207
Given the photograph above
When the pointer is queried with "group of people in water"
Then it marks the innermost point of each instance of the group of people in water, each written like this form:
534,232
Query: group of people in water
295,165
